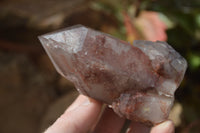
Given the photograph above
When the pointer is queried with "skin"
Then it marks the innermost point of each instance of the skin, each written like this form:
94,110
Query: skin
85,116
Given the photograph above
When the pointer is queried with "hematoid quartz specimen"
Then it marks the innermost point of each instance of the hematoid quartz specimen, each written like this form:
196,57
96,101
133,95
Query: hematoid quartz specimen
138,81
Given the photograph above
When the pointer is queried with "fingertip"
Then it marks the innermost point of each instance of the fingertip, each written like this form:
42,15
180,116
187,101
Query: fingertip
165,127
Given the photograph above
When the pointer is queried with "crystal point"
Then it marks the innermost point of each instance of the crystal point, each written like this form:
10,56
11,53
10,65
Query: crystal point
138,81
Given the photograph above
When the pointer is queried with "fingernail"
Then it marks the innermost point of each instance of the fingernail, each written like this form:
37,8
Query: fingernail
86,102
76,105
166,127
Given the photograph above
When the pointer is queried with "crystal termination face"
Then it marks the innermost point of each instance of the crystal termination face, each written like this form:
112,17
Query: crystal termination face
138,80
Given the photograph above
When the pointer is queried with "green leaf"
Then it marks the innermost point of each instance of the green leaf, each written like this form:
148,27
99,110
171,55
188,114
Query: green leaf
194,61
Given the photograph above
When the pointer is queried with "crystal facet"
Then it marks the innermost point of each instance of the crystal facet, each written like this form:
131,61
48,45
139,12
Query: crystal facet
138,80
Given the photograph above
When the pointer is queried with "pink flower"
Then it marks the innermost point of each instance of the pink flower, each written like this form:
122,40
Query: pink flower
146,26
151,27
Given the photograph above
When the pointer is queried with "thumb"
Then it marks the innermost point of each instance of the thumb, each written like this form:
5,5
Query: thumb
78,118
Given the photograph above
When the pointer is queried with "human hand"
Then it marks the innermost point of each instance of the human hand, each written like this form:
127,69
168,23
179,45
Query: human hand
83,117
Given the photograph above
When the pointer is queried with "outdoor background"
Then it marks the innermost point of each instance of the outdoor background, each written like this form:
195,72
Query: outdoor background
33,94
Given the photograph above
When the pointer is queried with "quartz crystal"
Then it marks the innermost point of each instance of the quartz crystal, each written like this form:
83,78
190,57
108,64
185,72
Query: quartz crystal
138,81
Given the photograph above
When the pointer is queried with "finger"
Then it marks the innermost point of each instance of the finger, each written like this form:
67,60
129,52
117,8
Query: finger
78,118
165,127
109,122
136,127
